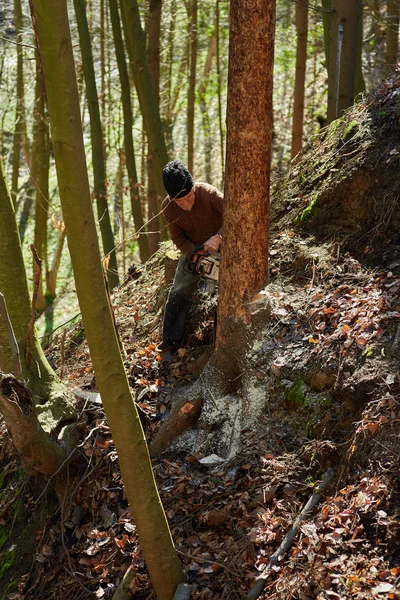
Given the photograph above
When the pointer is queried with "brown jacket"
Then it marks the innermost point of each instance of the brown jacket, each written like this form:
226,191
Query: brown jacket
190,228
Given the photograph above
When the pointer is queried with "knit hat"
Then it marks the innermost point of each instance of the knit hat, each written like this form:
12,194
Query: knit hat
177,180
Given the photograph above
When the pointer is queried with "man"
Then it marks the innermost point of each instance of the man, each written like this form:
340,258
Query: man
193,212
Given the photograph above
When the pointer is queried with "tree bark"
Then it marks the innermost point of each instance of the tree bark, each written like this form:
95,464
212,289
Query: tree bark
97,138
52,31
19,111
192,82
301,59
136,46
128,127
51,399
392,34
40,168
244,260
327,11
219,93
202,93
343,57
153,51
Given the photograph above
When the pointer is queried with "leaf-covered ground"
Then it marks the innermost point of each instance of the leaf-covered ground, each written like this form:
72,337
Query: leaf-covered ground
325,370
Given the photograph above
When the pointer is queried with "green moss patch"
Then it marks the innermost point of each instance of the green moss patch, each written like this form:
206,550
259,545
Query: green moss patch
308,213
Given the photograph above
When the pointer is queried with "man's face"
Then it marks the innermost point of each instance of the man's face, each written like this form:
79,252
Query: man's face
186,202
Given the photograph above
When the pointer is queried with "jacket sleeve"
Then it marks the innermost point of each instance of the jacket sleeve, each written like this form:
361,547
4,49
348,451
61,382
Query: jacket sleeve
180,239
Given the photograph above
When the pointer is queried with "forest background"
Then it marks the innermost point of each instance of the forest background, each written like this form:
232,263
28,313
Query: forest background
187,50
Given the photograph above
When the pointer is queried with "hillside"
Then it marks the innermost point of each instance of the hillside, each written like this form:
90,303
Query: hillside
321,390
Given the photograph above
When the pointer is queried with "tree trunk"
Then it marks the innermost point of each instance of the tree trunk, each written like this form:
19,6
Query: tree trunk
40,168
98,154
51,283
19,111
392,34
301,58
52,401
359,85
192,82
136,46
202,92
153,51
343,57
52,30
219,93
168,117
128,127
244,260
327,11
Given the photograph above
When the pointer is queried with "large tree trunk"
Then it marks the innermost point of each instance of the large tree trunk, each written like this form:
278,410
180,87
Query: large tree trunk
301,58
128,127
98,154
342,57
54,41
153,51
192,82
244,261
50,397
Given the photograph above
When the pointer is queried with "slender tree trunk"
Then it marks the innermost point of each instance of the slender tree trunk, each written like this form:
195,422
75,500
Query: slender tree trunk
168,84
128,128
153,51
192,82
301,58
359,86
327,11
43,382
98,155
244,262
52,30
202,92
392,33
51,283
19,112
136,46
40,154
343,57
219,93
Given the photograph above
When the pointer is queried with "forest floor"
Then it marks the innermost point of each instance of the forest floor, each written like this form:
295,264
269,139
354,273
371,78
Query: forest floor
323,371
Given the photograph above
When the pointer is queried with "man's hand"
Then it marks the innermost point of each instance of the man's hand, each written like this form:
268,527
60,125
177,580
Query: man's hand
213,244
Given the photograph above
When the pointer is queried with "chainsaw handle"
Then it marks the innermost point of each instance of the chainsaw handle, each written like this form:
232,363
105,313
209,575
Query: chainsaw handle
197,249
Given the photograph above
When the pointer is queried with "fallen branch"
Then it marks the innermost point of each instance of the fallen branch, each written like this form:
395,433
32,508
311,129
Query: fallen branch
258,587
125,591
11,337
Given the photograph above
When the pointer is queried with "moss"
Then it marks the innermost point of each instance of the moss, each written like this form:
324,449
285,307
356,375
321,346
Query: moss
3,536
369,352
6,561
351,127
296,394
11,587
308,213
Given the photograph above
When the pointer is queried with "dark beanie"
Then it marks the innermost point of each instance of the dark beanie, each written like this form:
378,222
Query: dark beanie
177,180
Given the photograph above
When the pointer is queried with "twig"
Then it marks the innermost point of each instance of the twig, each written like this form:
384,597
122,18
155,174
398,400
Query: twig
38,273
11,337
258,587
64,334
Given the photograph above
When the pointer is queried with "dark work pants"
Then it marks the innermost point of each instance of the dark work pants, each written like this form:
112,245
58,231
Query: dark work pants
178,304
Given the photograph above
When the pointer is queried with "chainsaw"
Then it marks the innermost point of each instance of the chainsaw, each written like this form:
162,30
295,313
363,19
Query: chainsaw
205,264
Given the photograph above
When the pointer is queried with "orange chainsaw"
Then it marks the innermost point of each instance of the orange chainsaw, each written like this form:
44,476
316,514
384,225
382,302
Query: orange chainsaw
205,264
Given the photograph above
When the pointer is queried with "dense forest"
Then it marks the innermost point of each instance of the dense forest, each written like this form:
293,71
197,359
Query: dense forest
261,459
